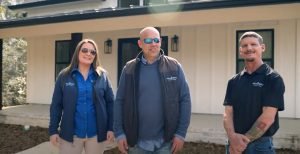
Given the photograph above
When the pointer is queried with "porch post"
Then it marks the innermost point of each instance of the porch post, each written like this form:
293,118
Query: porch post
1,50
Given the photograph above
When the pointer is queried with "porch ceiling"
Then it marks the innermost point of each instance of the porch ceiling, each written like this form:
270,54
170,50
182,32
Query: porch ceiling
195,17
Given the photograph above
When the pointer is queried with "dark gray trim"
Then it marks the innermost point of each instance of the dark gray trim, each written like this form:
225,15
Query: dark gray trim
75,39
1,54
141,10
39,3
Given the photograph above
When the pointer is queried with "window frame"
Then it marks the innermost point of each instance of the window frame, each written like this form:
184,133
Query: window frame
56,54
120,2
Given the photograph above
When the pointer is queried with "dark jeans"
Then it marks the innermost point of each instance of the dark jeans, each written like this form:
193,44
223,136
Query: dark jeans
263,145
165,149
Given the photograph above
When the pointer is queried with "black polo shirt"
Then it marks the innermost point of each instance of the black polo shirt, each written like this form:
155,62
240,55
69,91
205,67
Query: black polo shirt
249,93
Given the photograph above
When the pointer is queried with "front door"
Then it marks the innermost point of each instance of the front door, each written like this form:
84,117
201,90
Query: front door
128,49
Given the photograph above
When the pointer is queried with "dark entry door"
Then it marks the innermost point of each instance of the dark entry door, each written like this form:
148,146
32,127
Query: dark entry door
128,49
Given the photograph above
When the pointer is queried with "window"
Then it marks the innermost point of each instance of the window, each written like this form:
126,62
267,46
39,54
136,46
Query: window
127,3
153,2
62,55
268,55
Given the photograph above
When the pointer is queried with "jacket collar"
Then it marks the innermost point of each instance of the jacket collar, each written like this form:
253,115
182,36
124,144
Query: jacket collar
139,57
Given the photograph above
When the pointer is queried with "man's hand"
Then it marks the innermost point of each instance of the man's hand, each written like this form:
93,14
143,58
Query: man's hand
110,136
238,143
54,139
177,145
123,146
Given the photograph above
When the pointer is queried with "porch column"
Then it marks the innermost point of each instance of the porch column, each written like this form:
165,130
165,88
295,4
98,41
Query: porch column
1,50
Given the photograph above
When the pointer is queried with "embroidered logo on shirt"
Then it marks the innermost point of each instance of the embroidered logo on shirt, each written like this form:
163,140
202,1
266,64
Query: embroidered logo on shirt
70,84
257,84
172,78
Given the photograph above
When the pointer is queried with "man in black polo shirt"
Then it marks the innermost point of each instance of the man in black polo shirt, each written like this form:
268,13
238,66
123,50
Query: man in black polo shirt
253,98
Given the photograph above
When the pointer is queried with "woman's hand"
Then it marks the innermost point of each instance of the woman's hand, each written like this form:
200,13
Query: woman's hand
54,139
110,136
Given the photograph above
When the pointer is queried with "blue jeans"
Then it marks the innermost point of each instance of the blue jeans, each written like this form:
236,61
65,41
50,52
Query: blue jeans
263,145
164,149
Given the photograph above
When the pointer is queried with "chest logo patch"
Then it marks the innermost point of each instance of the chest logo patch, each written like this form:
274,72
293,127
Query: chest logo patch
70,84
257,84
171,78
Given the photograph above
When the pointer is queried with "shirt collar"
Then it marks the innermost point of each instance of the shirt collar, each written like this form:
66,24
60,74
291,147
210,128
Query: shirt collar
91,71
262,68
144,60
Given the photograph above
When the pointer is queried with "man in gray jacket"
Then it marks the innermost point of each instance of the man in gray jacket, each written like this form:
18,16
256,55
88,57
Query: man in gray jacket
153,106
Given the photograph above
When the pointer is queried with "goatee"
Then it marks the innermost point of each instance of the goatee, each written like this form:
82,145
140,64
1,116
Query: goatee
249,60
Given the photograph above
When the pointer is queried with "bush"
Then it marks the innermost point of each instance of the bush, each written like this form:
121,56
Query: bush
14,71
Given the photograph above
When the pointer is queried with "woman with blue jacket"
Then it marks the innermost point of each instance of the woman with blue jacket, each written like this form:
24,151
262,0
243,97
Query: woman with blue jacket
82,104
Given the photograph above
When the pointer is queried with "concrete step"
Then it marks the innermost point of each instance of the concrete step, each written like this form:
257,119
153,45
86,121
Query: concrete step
31,114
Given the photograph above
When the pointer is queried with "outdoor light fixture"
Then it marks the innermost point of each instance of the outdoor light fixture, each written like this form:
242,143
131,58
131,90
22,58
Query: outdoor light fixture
107,46
174,43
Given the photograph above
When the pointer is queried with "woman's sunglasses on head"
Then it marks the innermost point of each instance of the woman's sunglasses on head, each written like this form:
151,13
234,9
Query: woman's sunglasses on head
86,50
151,40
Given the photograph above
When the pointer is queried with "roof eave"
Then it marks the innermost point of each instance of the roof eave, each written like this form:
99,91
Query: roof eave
121,12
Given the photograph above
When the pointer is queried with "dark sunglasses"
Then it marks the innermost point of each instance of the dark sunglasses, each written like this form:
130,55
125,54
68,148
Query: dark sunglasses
151,40
86,50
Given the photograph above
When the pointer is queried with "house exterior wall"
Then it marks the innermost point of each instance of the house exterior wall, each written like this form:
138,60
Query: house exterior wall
41,67
297,81
206,52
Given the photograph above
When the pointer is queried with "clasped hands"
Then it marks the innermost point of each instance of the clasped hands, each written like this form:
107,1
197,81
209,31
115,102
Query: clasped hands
238,143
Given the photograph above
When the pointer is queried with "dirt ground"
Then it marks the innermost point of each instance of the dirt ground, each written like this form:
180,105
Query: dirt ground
14,138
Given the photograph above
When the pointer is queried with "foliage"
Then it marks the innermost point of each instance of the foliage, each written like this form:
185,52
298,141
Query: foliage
13,63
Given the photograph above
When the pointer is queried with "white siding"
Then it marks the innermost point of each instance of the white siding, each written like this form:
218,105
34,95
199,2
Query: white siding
41,66
285,62
297,80
207,50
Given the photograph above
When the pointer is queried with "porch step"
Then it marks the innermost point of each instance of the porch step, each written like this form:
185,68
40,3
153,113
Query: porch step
31,114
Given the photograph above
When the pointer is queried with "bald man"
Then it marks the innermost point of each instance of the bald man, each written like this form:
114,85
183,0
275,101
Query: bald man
153,107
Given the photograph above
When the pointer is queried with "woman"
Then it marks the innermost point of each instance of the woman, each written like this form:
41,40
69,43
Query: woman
82,104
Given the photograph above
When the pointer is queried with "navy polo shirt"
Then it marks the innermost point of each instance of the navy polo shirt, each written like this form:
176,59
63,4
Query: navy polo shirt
85,114
249,93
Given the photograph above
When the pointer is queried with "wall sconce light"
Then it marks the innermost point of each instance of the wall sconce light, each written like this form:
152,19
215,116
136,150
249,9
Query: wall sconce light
174,43
107,46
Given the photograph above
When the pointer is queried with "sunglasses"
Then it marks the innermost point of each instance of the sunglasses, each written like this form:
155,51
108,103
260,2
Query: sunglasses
151,40
86,50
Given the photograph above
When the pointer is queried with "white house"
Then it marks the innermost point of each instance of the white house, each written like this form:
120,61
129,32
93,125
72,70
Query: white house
207,32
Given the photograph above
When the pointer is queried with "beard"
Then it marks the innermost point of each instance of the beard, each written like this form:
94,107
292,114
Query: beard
249,59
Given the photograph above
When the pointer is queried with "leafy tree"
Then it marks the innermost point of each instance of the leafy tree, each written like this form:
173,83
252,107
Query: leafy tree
13,62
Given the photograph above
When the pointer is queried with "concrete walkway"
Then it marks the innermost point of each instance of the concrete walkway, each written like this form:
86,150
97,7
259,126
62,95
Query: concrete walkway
203,127
47,148
43,148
